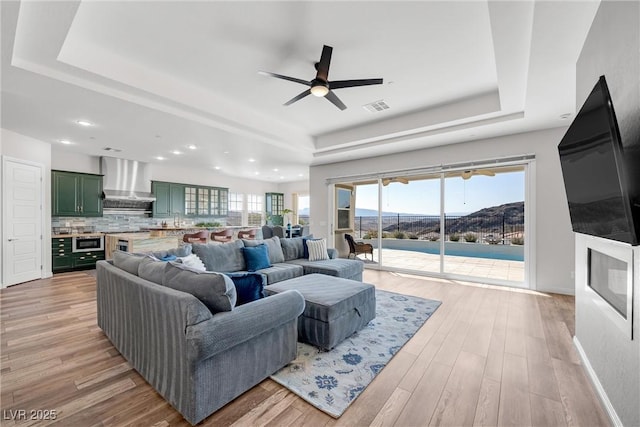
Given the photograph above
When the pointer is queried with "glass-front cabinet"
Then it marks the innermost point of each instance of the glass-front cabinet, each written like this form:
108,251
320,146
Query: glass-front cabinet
206,201
189,200
219,201
274,204
203,202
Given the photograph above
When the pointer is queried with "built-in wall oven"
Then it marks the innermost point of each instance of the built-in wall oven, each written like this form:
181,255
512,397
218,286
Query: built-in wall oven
87,243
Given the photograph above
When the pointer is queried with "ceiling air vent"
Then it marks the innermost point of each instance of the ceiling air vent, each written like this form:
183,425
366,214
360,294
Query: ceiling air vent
376,106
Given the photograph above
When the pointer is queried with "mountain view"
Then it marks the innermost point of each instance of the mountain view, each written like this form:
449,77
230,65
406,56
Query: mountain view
496,219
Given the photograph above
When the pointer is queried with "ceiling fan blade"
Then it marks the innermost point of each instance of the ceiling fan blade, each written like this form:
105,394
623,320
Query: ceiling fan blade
323,65
298,97
335,100
339,84
280,76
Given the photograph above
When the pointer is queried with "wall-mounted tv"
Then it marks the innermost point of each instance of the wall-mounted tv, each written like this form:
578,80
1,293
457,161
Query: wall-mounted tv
595,176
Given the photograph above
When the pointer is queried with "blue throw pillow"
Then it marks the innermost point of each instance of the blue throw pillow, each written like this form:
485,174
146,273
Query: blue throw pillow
305,247
249,286
256,257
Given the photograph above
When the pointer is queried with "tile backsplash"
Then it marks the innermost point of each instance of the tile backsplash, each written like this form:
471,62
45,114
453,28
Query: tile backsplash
113,223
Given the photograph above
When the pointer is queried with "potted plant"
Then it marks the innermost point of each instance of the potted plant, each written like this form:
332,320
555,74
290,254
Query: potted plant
286,213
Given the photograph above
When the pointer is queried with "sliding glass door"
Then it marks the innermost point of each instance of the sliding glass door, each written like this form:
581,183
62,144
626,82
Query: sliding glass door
453,222
484,223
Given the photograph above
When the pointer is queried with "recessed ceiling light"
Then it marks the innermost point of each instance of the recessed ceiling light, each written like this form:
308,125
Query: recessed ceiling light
300,174
217,168
252,160
64,141
225,152
275,169
256,173
159,158
176,152
84,123
191,147
282,177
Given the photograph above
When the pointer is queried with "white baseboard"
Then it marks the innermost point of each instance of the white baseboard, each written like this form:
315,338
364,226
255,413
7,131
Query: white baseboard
602,394
561,291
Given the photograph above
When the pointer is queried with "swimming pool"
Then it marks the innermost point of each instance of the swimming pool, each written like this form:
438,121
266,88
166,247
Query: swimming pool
462,249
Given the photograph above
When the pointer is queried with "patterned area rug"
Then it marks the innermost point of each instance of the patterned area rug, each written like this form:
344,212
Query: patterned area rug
331,380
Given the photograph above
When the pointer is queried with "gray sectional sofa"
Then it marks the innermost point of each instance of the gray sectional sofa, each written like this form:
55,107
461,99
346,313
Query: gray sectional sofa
287,258
197,360
202,338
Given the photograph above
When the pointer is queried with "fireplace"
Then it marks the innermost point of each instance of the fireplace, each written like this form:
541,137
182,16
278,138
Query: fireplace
609,280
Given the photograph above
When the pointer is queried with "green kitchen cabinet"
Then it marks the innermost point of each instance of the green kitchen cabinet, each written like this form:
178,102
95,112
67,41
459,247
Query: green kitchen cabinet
76,194
206,201
62,258
169,199
274,205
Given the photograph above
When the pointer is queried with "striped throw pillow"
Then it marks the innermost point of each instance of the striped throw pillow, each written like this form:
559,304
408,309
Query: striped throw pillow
317,250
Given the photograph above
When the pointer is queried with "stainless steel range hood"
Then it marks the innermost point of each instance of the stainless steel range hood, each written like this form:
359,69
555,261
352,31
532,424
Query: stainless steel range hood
127,186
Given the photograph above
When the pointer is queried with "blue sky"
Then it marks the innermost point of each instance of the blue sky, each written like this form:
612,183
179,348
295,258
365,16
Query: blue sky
461,196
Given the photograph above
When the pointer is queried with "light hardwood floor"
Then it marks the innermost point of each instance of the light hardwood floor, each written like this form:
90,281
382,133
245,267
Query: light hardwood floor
488,356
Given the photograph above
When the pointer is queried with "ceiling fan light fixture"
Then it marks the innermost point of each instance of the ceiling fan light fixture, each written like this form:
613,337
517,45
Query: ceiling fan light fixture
319,90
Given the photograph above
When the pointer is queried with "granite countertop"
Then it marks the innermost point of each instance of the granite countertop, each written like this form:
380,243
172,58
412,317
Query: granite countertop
53,236
138,236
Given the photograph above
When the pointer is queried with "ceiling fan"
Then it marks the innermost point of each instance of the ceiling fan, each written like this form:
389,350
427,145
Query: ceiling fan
321,86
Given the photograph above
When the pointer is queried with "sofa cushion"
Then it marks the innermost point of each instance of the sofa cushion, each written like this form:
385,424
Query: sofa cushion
292,248
317,249
223,258
281,271
275,249
127,261
345,268
215,290
151,269
256,257
249,286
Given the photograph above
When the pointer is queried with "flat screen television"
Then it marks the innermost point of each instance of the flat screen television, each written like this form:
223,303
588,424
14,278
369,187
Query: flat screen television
594,171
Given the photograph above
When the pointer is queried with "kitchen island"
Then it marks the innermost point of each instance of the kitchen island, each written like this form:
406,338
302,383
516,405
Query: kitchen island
139,242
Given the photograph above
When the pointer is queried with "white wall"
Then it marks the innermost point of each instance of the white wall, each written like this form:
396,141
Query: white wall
612,48
25,148
554,251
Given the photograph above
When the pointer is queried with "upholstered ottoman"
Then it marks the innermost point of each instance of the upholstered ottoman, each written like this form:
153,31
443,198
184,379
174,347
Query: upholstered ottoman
334,309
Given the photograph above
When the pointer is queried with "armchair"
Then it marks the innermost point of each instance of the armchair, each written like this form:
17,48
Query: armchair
356,248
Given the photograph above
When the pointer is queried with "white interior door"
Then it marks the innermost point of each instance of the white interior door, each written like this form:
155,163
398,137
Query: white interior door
21,221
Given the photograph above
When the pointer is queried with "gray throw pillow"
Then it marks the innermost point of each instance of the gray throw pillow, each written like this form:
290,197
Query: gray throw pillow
127,261
292,248
273,244
151,269
224,258
215,290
